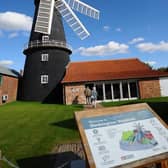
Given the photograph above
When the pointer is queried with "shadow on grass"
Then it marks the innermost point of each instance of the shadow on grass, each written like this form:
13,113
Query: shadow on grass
69,123
49,161
161,108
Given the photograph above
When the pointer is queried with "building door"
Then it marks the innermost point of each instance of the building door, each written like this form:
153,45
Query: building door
99,89
164,86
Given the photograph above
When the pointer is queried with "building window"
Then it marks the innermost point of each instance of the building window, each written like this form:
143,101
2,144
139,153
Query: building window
116,91
44,57
121,90
44,79
99,89
45,38
125,90
1,78
133,89
108,91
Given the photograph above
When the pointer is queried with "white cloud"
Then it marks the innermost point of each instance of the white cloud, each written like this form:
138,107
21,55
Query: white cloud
118,29
151,47
151,63
13,21
6,62
136,40
110,48
13,35
106,28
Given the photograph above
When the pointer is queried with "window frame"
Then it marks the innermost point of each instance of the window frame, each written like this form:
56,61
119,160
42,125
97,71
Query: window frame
45,38
44,79
44,57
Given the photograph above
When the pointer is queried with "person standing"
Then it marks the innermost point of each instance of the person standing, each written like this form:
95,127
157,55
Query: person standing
88,95
94,97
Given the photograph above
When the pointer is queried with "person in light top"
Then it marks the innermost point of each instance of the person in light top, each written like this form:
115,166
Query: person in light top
94,97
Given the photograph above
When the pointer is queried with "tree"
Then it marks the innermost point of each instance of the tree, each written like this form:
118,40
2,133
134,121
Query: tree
163,69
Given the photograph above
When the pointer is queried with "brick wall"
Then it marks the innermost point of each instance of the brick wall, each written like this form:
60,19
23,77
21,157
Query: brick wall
74,94
149,88
9,87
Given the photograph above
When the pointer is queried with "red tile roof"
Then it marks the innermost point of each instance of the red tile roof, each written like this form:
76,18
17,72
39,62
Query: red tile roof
108,70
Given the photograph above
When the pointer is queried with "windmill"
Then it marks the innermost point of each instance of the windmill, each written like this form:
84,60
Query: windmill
45,15
47,53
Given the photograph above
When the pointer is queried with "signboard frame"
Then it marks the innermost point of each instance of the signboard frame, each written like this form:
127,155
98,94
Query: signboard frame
79,116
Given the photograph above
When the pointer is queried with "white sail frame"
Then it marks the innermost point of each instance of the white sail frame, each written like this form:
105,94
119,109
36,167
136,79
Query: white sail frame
45,16
71,19
46,10
83,8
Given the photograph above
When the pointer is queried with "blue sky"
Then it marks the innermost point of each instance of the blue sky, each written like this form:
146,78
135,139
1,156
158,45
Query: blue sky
126,29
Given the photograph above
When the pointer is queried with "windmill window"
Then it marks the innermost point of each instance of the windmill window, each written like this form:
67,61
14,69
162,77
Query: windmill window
44,79
1,78
44,57
45,38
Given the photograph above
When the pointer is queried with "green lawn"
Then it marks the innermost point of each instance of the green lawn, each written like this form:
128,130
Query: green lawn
159,105
30,129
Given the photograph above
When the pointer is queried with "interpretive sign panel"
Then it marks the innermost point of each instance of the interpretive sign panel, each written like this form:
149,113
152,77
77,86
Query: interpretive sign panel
122,136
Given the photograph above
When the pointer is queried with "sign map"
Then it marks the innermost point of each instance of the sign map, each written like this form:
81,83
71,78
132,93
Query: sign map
125,137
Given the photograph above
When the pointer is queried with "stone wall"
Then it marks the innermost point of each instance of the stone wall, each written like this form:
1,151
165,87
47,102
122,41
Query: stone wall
74,94
9,88
149,88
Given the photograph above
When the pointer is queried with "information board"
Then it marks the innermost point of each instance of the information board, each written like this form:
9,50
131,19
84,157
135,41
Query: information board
122,136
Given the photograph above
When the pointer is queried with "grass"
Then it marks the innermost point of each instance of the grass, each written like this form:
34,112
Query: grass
30,129
159,105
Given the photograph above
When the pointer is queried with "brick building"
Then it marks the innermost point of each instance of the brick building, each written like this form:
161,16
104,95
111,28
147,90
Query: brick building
8,85
115,80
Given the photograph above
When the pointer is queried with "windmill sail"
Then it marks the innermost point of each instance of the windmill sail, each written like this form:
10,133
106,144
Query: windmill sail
83,8
71,19
44,16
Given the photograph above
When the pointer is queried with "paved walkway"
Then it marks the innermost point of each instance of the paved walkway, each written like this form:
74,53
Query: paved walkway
88,107
75,147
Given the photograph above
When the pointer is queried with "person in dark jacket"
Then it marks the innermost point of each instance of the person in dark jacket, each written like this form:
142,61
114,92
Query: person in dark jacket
87,93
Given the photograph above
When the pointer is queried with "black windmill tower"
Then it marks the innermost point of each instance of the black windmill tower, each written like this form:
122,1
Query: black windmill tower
47,53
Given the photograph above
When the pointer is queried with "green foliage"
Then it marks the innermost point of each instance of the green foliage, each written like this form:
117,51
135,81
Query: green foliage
163,69
30,129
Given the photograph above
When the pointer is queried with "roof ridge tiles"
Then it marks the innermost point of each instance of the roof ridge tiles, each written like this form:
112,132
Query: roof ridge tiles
106,60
